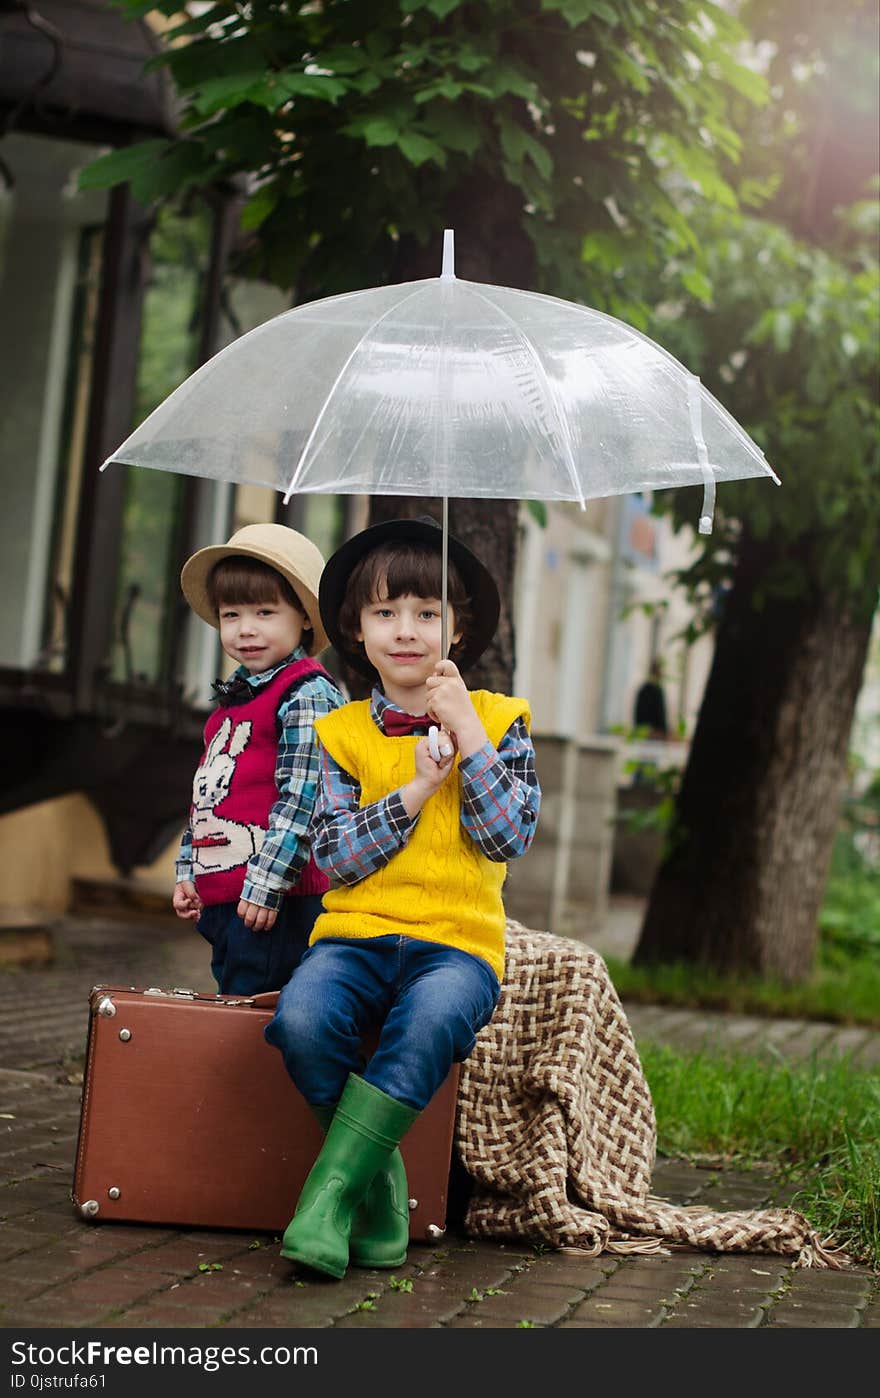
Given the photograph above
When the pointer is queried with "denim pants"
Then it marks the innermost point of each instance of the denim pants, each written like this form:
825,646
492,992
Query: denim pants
244,962
427,1002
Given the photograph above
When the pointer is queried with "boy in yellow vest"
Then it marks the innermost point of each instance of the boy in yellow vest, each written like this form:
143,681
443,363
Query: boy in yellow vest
411,941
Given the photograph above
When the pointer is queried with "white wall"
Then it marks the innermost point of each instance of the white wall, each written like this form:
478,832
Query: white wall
865,740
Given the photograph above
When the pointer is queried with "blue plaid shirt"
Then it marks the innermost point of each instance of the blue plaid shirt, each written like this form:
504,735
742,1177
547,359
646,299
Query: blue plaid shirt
500,799
285,850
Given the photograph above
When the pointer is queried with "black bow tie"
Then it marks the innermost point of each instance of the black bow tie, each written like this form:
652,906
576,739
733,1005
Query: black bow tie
233,691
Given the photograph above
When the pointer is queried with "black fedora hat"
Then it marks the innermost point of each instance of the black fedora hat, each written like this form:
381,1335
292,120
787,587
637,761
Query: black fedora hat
478,581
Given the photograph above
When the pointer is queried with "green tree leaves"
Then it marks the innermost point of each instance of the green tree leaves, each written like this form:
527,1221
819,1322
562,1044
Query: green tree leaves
156,169
368,116
790,345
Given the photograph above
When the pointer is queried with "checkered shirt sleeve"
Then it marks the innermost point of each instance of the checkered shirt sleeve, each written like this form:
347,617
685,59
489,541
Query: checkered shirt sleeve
500,795
183,867
500,801
285,850
350,841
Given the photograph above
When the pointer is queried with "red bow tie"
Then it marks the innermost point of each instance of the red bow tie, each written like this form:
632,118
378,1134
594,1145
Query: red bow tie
397,724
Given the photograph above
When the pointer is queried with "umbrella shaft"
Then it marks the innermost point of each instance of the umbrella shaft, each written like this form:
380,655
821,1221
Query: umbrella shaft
443,574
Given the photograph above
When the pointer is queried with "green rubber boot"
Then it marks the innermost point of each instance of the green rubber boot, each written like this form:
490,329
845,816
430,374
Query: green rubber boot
380,1235
380,1231
366,1127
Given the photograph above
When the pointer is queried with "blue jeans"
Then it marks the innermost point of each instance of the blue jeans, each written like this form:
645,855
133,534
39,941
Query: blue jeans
244,962
427,1002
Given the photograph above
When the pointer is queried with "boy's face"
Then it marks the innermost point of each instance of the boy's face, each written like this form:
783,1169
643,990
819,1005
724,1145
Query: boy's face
401,636
259,635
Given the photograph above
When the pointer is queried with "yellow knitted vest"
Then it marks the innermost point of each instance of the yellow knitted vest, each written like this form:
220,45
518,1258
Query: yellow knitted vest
438,886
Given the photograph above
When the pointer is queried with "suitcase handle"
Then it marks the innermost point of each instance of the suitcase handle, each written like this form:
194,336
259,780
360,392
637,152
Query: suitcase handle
266,1001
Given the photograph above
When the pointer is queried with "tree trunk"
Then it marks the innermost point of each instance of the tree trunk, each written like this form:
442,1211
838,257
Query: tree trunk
744,875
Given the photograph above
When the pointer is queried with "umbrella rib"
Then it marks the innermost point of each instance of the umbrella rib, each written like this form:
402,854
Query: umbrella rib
536,358
637,335
336,382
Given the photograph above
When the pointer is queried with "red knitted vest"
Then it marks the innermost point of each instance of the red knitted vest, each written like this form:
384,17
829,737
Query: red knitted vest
234,790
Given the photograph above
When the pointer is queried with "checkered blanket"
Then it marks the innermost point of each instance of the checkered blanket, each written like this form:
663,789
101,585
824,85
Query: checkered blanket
556,1125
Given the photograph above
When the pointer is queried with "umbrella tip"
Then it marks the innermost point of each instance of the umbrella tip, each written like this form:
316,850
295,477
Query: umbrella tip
448,269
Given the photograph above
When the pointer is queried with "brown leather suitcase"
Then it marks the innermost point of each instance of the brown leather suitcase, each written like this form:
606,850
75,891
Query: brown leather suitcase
189,1118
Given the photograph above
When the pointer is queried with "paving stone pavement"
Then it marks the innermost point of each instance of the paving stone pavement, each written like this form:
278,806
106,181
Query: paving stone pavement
58,1271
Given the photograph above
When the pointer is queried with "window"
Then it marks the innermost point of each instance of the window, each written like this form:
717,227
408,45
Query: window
50,249
146,584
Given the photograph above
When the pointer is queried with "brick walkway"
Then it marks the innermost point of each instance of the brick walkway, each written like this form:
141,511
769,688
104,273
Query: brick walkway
56,1271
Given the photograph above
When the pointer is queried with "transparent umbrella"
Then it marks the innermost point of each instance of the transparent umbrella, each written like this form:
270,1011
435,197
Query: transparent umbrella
446,387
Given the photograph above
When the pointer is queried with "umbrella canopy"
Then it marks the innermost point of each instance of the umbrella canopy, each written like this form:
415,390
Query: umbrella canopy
447,388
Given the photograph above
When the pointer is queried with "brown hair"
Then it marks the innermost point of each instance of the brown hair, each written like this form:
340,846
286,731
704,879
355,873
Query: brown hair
239,579
401,570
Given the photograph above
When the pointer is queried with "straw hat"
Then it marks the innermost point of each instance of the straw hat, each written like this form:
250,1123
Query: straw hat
478,581
291,554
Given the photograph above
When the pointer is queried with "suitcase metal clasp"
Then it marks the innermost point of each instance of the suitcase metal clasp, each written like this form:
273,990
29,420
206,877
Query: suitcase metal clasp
183,993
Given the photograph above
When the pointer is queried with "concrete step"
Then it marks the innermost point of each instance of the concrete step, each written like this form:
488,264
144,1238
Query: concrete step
126,898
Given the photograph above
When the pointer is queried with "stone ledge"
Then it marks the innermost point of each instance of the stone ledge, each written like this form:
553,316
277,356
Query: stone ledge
25,938
124,898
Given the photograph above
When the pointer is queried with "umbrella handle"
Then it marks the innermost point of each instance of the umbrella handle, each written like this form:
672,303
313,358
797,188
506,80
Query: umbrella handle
436,751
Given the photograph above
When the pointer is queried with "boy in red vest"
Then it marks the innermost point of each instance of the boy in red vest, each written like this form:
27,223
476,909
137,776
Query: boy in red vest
244,870
411,941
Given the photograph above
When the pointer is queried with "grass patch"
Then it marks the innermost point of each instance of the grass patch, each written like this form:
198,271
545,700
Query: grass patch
816,1124
844,989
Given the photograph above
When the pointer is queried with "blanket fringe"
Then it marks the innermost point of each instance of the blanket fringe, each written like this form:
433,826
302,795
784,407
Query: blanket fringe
820,1252
637,1245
